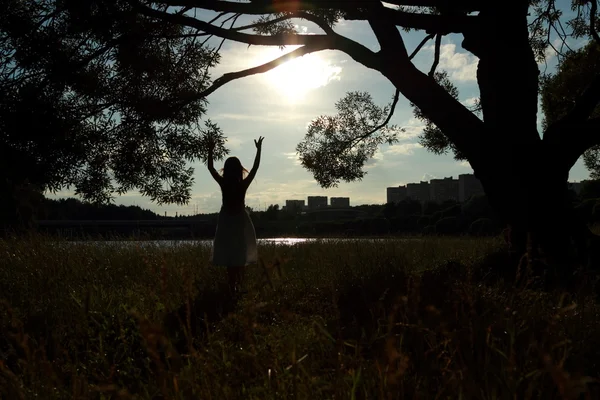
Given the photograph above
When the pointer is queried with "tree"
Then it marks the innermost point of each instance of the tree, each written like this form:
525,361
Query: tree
562,89
89,98
272,212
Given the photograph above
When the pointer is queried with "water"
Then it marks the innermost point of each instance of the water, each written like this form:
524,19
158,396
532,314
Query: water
208,242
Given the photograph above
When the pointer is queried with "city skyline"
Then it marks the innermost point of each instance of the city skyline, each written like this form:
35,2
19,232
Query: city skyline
437,190
464,192
444,189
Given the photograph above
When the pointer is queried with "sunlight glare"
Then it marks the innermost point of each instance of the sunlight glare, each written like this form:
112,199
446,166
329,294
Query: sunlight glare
297,77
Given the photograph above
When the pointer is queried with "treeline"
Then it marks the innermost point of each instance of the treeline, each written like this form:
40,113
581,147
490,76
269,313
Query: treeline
474,217
77,210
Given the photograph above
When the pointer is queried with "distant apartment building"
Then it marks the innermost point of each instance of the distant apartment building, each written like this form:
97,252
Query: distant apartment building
468,185
396,194
317,202
441,190
418,191
294,205
340,202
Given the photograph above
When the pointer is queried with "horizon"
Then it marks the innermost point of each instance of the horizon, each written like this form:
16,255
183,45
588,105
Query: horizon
263,207
280,104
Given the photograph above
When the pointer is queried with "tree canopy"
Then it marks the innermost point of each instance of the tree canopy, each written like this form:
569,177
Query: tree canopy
561,90
117,88
90,98
524,29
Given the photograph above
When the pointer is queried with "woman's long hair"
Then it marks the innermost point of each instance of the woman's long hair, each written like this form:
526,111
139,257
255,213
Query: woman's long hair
233,170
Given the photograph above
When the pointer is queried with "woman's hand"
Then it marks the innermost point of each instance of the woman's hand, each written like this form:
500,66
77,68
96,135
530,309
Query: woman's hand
211,149
258,143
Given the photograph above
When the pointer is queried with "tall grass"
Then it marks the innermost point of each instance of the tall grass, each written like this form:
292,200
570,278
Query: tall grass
345,320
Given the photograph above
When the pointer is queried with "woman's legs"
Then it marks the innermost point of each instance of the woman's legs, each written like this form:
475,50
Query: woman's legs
235,278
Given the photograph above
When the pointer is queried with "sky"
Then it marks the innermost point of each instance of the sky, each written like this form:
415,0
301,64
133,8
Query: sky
280,104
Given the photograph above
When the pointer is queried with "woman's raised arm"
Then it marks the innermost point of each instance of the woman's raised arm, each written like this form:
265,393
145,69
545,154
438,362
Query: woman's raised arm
211,166
252,173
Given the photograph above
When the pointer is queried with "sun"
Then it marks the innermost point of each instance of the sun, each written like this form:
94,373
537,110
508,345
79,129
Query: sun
296,78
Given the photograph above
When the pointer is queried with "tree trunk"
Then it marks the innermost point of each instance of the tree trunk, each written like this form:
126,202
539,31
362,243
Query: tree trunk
531,196
18,206
523,175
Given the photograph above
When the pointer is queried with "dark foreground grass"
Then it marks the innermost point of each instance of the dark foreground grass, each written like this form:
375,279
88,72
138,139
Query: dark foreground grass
411,319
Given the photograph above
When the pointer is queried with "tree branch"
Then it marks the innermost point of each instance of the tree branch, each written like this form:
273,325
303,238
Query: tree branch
585,104
361,54
572,134
421,90
230,76
467,5
428,22
431,23
331,41
387,34
420,46
463,128
587,135
436,58
593,15
229,34
380,126
268,7
301,15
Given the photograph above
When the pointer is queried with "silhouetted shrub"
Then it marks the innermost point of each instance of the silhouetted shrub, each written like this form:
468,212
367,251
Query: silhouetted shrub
483,227
379,226
411,223
453,211
424,221
431,207
408,207
447,226
590,189
585,210
596,212
428,230
436,217
477,207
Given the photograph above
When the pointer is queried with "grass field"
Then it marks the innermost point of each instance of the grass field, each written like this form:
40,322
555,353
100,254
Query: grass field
391,319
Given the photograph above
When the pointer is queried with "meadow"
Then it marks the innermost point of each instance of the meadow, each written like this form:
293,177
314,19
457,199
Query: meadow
393,319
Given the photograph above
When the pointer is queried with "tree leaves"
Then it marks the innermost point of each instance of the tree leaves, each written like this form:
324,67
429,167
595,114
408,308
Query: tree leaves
211,136
432,138
337,147
560,90
92,96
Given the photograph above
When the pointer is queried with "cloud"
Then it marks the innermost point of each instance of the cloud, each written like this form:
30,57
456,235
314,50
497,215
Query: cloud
293,156
465,164
293,79
470,102
234,143
428,177
263,117
412,129
405,149
460,66
376,159
550,51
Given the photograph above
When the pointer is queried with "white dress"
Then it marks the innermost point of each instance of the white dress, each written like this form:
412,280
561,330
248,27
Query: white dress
235,240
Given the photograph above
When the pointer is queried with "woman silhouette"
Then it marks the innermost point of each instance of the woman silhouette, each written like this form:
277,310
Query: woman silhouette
235,240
